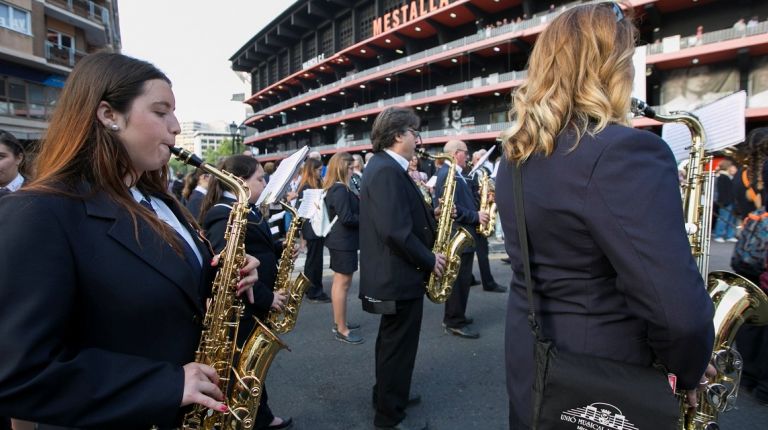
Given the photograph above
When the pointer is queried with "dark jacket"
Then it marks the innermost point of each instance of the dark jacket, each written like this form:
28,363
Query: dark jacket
97,318
743,203
464,201
194,203
612,268
341,202
258,243
398,230
724,185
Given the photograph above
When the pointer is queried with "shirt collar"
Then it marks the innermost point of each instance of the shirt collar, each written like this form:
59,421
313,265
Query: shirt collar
16,183
399,158
201,189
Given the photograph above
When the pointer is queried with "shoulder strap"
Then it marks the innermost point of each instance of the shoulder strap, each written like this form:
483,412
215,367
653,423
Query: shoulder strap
522,234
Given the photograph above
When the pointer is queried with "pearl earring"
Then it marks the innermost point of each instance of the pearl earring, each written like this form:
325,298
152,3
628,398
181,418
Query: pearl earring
114,127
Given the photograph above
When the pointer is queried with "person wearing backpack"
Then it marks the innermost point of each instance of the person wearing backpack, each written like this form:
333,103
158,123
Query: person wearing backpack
342,240
725,229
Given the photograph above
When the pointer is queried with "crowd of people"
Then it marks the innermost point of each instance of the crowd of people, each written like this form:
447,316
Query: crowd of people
106,262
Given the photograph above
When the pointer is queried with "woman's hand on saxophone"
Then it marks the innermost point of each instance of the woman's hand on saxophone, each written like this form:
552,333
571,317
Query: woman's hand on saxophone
691,396
248,275
278,300
201,387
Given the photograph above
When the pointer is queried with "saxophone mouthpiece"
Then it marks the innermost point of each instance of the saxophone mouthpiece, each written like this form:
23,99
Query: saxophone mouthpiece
187,157
640,107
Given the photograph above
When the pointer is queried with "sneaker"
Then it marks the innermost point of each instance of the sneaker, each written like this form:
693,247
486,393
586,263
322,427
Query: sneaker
733,239
350,326
354,339
719,240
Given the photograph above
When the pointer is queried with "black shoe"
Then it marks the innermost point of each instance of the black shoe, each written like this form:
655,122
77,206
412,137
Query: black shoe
464,332
506,260
474,282
323,298
286,424
467,321
495,288
406,424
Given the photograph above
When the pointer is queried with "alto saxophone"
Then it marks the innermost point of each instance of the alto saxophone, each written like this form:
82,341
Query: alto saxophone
486,203
284,321
241,370
439,287
737,300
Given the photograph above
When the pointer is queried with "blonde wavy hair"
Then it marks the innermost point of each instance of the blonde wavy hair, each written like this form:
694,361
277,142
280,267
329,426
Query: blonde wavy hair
579,76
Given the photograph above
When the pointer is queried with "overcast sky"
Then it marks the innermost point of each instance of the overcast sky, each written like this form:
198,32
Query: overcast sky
192,42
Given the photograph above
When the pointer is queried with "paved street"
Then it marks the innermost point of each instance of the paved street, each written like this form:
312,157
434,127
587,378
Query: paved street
326,385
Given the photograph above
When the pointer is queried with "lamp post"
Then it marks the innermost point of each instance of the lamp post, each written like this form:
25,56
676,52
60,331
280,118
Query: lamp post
238,133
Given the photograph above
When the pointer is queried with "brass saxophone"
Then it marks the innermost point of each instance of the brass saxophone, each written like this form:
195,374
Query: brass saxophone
737,300
284,321
241,370
487,188
439,287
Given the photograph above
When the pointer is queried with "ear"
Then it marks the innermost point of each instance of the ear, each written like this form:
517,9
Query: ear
106,115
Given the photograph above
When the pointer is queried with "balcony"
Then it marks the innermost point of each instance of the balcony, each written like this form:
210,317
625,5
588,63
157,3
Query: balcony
84,14
432,137
61,55
479,85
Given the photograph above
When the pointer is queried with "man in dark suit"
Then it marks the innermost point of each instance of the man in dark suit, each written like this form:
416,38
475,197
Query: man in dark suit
396,235
455,320
481,242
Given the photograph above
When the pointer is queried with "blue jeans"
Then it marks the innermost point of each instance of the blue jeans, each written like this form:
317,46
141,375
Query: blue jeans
726,223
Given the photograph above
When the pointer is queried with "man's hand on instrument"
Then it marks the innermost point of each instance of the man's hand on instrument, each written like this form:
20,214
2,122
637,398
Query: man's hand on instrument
691,396
439,264
278,300
484,217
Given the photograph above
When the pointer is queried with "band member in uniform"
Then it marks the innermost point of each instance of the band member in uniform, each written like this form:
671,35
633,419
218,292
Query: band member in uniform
455,320
103,277
398,230
613,275
481,242
214,212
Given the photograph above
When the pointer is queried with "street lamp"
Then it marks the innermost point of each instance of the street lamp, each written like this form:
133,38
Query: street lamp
238,133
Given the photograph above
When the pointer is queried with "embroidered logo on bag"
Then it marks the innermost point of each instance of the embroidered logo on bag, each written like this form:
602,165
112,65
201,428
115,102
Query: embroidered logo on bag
597,416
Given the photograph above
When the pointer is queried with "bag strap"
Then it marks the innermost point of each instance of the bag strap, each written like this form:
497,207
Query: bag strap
522,234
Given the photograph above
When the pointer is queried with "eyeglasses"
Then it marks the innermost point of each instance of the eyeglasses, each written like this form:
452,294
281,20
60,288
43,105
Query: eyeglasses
617,11
416,135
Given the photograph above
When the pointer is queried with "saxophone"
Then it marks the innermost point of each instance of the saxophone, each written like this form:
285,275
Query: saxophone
439,287
241,370
737,300
487,188
284,321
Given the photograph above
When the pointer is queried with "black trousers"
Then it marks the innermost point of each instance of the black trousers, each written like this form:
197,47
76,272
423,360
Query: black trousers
313,267
456,305
752,343
396,347
481,249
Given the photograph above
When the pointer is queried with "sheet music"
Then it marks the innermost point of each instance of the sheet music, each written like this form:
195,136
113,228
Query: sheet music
432,181
482,161
310,202
278,181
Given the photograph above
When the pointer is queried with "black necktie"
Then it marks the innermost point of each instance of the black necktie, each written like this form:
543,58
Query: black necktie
189,254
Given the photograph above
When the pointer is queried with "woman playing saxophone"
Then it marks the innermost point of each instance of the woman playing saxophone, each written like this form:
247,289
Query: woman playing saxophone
613,272
103,276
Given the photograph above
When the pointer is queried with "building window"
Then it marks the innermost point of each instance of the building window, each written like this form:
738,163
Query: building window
345,32
26,99
284,62
15,19
296,57
366,22
60,48
326,41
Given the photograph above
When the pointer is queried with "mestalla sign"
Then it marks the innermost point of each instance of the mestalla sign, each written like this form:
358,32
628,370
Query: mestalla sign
409,11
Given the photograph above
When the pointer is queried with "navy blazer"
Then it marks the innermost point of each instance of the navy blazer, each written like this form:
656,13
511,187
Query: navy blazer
97,317
342,202
464,201
612,268
258,243
396,235
195,203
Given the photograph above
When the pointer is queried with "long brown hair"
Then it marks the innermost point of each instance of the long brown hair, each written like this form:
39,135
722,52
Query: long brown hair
309,176
579,78
338,170
78,148
241,166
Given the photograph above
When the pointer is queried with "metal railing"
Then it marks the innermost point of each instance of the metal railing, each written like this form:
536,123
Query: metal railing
476,129
62,55
85,8
437,91
711,37
458,45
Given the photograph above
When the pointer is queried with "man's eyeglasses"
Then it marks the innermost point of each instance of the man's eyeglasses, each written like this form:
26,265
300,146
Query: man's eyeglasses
416,135
617,11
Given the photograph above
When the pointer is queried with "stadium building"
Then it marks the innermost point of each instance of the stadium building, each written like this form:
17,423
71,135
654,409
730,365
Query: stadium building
323,69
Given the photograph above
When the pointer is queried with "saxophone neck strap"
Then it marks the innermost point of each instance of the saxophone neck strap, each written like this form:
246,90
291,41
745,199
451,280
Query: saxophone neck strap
522,234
